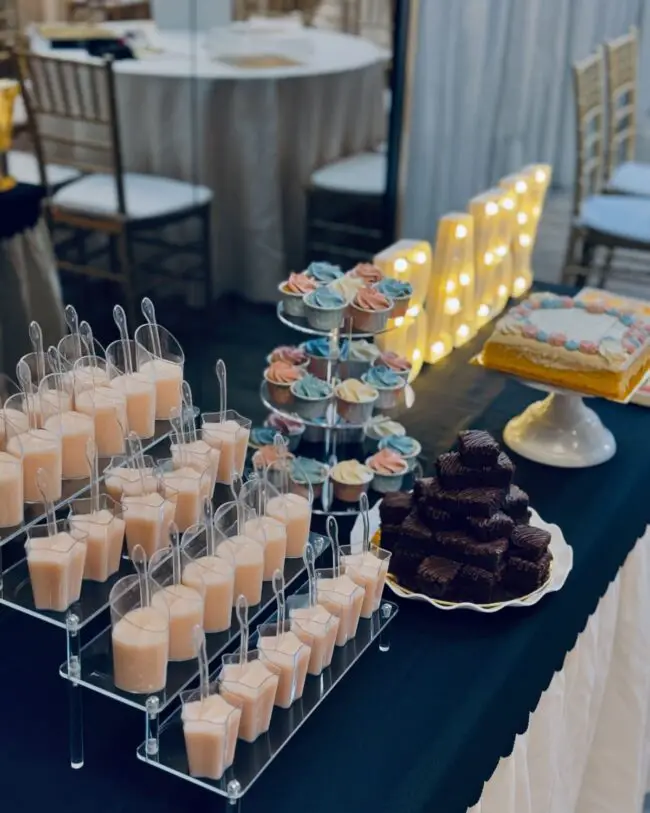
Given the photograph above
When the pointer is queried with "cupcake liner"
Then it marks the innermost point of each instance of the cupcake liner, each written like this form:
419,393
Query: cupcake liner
280,394
401,306
292,303
369,321
311,408
349,492
353,411
322,318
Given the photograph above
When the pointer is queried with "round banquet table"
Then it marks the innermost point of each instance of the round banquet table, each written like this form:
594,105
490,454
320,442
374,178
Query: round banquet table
253,136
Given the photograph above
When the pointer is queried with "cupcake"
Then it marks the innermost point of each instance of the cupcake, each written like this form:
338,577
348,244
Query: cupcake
307,471
355,400
324,309
347,286
398,364
368,272
377,428
292,291
263,436
312,396
370,310
356,358
397,290
279,377
266,455
323,273
409,448
389,469
350,480
389,384
287,427
320,356
295,356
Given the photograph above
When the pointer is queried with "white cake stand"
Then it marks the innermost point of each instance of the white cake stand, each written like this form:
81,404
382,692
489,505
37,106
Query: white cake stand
560,431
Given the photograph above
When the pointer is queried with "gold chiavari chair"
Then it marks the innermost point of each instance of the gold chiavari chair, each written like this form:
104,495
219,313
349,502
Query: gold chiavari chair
66,97
624,175
308,8
607,221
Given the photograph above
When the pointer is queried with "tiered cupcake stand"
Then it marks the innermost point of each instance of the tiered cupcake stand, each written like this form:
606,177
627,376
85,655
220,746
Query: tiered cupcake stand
334,433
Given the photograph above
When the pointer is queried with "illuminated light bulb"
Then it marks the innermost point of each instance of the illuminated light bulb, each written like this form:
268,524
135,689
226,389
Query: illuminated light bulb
400,264
524,240
413,311
464,279
417,355
491,208
399,321
522,218
502,290
488,258
501,251
463,331
483,311
536,211
461,231
519,285
521,187
450,287
540,176
421,257
508,203
437,348
452,306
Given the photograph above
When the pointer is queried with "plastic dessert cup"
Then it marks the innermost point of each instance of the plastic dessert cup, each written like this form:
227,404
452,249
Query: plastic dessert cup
122,479
368,569
287,656
39,449
411,457
356,412
55,396
73,347
56,565
230,436
107,407
389,397
13,421
370,321
166,368
37,371
271,534
248,558
201,457
294,511
384,483
11,490
75,430
88,373
215,576
185,607
191,488
140,638
252,687
350,491
343,598
315,626
148,518
210,729
104,528
138,387
310,409
320,318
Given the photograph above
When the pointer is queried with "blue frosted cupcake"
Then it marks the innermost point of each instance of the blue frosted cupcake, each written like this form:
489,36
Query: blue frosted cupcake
388,383
306,471
323,273
320,354
407,447
397,290
312,397
324,309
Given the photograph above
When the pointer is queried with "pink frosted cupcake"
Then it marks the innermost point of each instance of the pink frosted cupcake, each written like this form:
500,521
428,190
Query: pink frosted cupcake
279,377
289,354
368,272
398,364
292,291
370,310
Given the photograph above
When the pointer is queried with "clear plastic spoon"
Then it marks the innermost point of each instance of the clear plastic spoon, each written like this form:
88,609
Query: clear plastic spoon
278,589
93,461
333,533
149,313
139,559
202,657
220,369
242,617
72,321
188,409
36,337
25,380
119,317
43,484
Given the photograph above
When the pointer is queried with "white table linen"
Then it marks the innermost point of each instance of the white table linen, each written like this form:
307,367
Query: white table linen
586,749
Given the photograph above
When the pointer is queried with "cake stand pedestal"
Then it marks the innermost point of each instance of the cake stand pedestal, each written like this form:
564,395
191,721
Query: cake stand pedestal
560,431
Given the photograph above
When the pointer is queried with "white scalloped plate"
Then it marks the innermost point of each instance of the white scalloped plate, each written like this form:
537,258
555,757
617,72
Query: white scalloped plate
560,568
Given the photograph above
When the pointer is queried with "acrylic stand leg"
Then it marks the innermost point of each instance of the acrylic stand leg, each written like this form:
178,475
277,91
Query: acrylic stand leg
384,641
234,798
560,431
152,726
75,697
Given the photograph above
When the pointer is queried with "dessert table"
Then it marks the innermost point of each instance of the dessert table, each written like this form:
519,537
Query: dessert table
537,709
252,135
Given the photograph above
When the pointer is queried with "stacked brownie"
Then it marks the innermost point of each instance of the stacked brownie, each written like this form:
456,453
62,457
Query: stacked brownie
464,535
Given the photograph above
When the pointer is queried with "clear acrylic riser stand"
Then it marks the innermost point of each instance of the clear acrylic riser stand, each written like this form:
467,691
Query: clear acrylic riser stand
332,430
91,666
251,760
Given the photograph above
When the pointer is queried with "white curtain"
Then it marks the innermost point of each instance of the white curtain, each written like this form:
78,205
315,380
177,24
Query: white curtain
492,92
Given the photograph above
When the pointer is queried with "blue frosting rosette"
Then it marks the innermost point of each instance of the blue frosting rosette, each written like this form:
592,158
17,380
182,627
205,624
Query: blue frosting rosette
383,377
323,272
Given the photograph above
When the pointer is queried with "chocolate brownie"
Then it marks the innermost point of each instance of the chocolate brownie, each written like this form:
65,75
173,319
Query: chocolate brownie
460,547
453,474
438,520
478,448
423,488
390,535
404,564
528,542
474,584
435,576
516,504
498,526
472,502
395,507
522,576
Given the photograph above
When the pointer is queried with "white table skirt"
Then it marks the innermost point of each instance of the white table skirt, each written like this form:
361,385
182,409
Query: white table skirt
29,289
587,747
252,136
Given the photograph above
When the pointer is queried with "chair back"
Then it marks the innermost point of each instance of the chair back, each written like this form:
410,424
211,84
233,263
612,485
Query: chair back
370,19
72,111
308,8
94,11
8,27
621,61
588,79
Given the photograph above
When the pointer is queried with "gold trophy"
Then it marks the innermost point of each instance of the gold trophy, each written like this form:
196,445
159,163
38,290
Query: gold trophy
9,89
